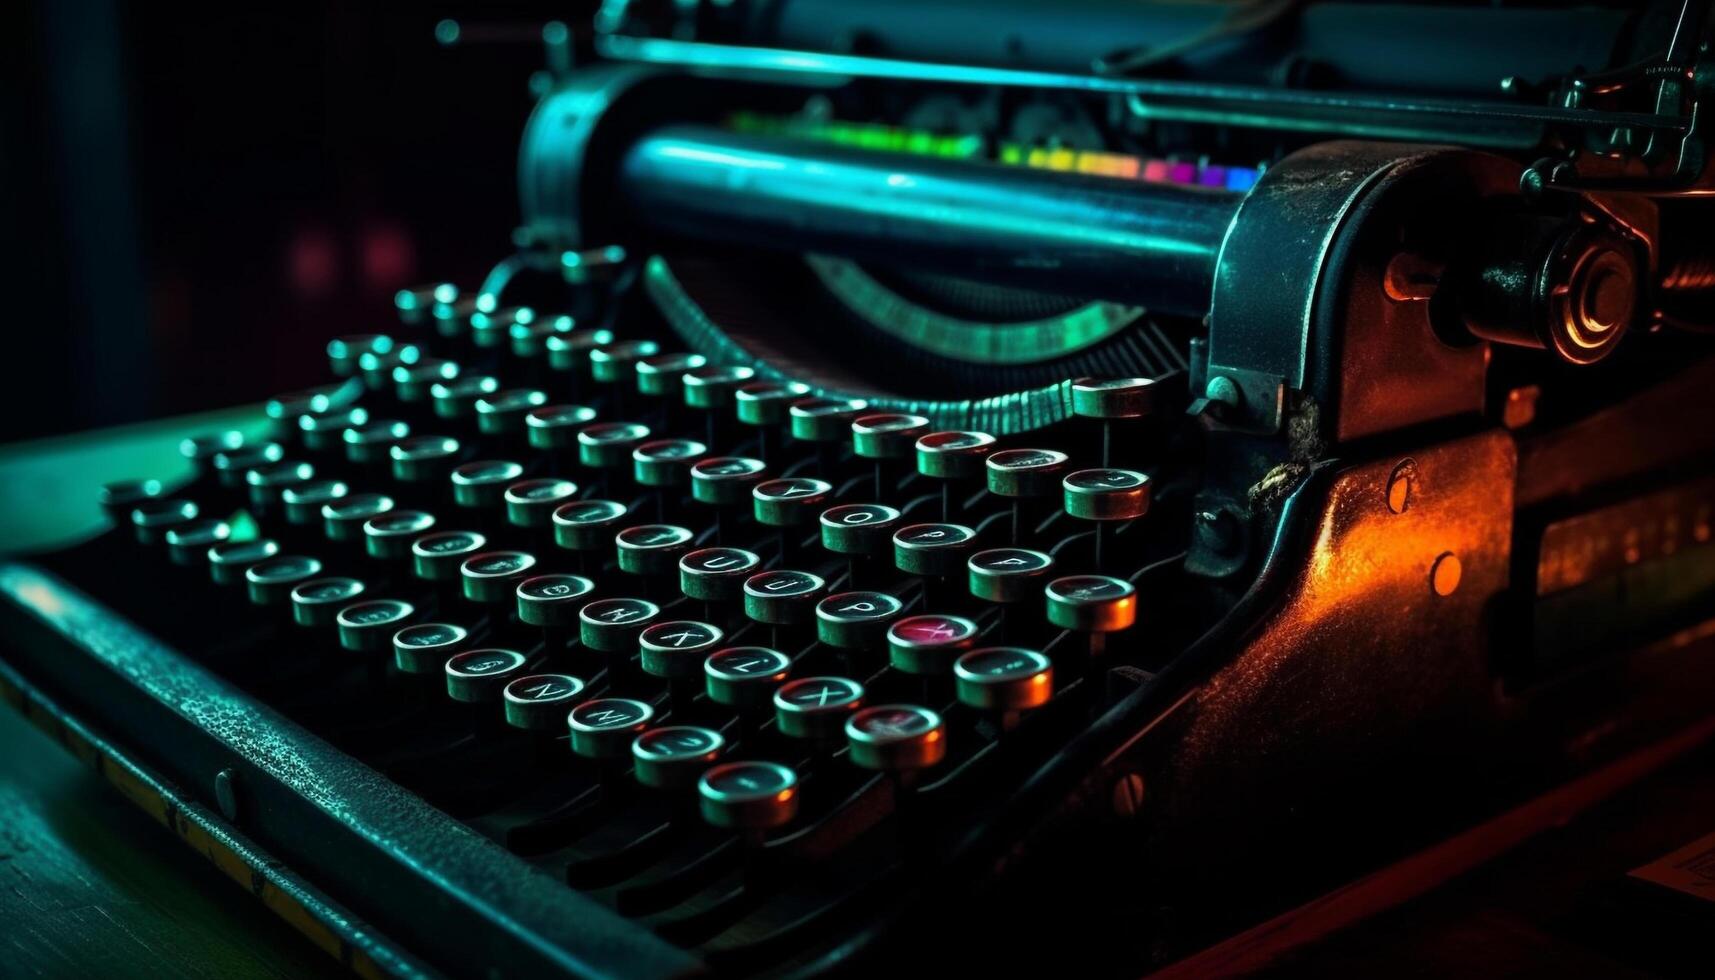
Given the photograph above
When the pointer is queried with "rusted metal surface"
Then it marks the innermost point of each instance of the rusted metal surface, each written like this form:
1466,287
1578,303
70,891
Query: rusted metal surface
1581,549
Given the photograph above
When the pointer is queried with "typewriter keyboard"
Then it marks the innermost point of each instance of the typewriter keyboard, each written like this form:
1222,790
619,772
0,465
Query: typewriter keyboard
724,652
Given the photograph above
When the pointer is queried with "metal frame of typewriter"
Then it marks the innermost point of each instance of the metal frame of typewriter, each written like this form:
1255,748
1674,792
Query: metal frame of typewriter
1340,427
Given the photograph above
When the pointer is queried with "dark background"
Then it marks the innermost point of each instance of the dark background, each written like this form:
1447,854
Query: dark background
194,197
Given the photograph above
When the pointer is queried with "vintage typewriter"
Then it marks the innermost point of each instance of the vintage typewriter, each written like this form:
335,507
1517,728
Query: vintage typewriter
997,486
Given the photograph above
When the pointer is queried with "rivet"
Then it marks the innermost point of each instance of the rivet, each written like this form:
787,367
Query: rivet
226,793
1128,795
1400,484
1444,575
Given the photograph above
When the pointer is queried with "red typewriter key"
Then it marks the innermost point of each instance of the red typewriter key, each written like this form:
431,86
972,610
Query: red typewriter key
927,645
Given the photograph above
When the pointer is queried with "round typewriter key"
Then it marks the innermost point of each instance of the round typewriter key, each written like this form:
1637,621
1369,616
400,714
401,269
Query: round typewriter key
322,431
389,535
200,449
503,412
612,625
230,466
887,435
745,677
437,557
425,647
369,626
373,441
271,580
716,574
414,304
1008,574
569,349
539,702
119,498
782,597
556,426
1025,472
927,645
676,650
1092,603
484,482
616,361
493,576
1113,398
529,337
451,319
268,481
824,419
317,602
953,455
790,502
284,408
489,330
378,369
674,757
605,727
932,549
229,560
855,620
343,352
457,398
552,600
587,525
665,462
896,738
304,501
476,676
531,503
652,549
608,445
859,529
816,707
766,402
424,459
153,517
343,519
414,383
188,543
749,796
726,481
1004,678
659,374
715,386
1106,494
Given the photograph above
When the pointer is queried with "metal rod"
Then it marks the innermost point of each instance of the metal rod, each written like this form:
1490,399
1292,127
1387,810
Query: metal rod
1126,241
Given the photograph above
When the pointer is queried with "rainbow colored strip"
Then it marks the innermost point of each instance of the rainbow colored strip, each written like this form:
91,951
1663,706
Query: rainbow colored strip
899,139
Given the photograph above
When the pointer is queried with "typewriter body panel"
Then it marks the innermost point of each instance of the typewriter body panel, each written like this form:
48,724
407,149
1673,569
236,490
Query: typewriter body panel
1384,506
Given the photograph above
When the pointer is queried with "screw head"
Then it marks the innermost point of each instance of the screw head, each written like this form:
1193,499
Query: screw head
1400,485
1129,795
1445,574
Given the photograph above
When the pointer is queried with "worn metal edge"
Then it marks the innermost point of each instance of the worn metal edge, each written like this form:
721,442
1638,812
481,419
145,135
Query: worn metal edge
323,922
